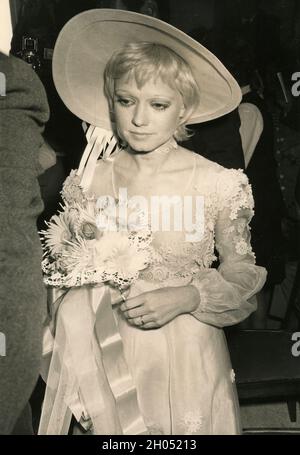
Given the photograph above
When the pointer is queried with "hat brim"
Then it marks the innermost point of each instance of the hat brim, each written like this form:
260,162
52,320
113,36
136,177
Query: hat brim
87,41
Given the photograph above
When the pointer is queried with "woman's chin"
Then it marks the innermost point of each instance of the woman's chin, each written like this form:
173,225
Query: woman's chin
141,148
144,146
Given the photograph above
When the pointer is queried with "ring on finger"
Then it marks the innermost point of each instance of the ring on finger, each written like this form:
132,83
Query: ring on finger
123,296
142,321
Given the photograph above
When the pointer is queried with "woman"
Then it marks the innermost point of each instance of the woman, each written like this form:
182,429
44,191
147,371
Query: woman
178,373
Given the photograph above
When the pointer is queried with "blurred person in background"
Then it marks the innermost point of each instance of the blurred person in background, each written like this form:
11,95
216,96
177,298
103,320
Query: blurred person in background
23,157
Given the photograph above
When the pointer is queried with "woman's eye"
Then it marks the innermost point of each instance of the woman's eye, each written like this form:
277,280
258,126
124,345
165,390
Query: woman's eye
124,102
160,106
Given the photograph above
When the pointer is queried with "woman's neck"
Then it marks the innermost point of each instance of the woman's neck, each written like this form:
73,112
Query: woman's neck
151,160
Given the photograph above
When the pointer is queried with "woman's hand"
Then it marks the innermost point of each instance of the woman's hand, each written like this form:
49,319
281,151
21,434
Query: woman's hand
154,309
118,294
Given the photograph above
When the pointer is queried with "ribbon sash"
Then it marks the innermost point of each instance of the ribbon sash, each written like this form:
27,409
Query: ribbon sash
72,310
116,369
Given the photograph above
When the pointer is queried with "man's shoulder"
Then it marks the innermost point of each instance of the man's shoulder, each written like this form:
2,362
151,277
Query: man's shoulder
23,88
16,70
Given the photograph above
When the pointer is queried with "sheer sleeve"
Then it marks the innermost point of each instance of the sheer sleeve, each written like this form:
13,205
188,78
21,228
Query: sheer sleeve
226,293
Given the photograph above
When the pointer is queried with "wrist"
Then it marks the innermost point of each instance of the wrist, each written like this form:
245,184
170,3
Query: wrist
192,299
196,298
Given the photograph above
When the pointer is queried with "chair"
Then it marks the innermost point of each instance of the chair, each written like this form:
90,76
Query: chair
293,310
267,362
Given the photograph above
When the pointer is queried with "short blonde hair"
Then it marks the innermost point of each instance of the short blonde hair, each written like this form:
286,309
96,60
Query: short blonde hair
145,61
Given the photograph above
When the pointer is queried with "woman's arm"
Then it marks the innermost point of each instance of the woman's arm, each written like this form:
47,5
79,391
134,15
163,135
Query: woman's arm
218,297
226,292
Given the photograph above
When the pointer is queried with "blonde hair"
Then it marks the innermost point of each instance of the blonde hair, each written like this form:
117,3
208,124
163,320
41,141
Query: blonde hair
145,61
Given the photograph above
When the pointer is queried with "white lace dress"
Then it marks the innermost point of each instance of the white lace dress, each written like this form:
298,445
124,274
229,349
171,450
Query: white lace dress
182,371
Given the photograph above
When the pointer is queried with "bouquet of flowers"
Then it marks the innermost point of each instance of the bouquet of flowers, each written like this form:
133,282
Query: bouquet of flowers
88,243
91,241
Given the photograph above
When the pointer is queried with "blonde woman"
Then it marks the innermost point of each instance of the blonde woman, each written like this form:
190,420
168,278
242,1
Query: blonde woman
146,81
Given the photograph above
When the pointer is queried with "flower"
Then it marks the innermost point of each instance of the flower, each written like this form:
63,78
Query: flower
241,247
58,233
125,260
89,231
120,254
84,220
77,252
76,257
72,191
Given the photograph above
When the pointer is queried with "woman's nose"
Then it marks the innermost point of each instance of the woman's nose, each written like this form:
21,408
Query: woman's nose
140,115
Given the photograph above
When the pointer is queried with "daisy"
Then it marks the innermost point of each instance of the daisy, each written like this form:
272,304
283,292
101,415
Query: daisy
57,234
123,259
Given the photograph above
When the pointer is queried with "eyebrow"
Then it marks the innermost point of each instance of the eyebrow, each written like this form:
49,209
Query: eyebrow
164,97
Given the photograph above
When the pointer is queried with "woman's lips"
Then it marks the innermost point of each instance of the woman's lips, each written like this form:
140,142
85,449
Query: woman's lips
138,133
140,136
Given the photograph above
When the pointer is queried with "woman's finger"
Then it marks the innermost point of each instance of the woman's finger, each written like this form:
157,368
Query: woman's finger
136,312
116,295
149,325
133,302
140,321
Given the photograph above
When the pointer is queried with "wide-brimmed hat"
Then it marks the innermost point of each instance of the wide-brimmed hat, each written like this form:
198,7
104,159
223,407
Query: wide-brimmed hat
89,39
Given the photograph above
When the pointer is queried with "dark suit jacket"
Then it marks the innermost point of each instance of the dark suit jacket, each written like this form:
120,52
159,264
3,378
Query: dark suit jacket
266,231
23,112
219,140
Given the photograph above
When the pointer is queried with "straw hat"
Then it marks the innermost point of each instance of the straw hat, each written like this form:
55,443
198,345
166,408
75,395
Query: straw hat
87,42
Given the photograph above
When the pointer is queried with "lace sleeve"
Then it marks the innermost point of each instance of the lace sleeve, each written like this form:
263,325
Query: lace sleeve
225,293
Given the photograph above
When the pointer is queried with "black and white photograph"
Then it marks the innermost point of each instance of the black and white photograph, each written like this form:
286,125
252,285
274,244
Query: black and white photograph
149,220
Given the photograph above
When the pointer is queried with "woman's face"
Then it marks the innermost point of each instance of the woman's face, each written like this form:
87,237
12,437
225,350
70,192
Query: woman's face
146,117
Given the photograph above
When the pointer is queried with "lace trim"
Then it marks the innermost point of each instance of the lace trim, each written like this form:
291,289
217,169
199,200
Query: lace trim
238,235
180,260
191,422
186,259
235,191
232,376
154,429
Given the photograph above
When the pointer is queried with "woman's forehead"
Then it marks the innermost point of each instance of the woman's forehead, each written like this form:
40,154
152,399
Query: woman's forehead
155,84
